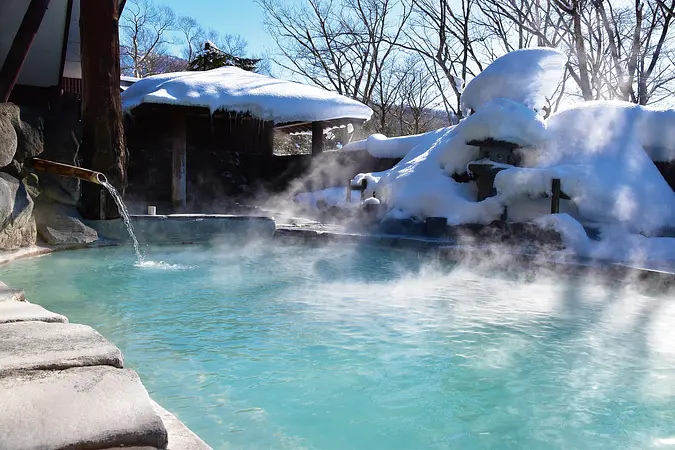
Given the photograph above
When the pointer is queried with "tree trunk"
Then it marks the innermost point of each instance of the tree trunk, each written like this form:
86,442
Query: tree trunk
103,147
581,52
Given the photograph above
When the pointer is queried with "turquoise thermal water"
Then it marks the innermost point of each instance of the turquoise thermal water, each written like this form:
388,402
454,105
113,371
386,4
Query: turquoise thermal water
364,348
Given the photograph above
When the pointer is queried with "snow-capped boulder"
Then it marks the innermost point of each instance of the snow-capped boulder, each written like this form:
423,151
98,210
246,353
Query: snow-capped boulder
528,76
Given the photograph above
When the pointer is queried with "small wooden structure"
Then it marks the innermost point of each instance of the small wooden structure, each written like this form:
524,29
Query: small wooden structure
493,154
195,155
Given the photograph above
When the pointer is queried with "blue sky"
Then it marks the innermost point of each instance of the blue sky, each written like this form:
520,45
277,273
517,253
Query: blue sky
243,17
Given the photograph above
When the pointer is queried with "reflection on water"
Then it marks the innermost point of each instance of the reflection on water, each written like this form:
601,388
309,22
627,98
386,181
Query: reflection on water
333,348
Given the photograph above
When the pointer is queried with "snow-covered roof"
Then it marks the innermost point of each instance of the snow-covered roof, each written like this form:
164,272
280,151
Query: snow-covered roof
130,79
525,76
125,82
234,89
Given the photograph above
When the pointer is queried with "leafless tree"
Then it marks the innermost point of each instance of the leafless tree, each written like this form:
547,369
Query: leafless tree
670,11
421,98
340,45
445,34
387,94
615,52
145,33
232,44
191,38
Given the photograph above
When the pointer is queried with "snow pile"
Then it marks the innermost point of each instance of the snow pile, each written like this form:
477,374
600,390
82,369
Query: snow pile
601,151
421,184
527,76
614,244
380,146
594,125
234,89
597,150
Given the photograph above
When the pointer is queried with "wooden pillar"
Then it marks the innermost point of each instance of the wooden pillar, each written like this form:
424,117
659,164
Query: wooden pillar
317,138
23,40
555,198
179,161
103,148
268,138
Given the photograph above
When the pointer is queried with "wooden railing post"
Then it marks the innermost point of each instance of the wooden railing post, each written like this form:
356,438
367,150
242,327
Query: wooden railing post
555,198
179,161
317,138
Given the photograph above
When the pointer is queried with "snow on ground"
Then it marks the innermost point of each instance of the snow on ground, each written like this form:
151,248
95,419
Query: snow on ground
602,152
597,150
526,76
615,244
381,146
234,89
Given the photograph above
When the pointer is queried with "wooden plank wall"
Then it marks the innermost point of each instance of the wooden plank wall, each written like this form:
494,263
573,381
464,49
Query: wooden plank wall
223,153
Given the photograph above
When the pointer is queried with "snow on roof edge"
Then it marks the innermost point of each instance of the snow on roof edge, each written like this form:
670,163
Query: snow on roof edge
233,89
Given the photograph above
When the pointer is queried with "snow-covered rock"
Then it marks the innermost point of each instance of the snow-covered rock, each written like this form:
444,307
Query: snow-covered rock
234,89
527,76
598,157
597,150
602,152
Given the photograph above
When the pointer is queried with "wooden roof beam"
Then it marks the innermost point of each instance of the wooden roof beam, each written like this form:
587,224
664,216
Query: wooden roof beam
23,40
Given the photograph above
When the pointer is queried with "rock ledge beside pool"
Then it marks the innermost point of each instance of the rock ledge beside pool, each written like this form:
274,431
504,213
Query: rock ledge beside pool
63,385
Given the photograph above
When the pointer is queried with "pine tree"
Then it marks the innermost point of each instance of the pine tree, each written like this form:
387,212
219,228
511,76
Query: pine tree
211,57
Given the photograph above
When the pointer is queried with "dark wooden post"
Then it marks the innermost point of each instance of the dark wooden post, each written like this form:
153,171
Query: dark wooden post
103,147
23,39
555,199
179,161
317,138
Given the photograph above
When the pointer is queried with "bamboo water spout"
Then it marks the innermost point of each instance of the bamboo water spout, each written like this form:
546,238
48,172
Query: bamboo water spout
66,170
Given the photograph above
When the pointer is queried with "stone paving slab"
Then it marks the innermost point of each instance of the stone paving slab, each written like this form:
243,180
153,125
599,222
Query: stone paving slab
180,436
25,311
42,345
80,408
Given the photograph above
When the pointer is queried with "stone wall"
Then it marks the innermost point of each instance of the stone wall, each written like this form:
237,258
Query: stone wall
39,205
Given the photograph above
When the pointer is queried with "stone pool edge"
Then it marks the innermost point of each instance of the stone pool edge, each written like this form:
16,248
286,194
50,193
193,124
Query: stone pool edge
47,368
490,254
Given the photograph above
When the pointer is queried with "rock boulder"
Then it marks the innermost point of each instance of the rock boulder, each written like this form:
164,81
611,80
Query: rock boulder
17,224
61,144
8,141
27,133
61,224
30,139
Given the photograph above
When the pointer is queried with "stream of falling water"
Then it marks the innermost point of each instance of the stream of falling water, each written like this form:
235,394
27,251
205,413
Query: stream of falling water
140,259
